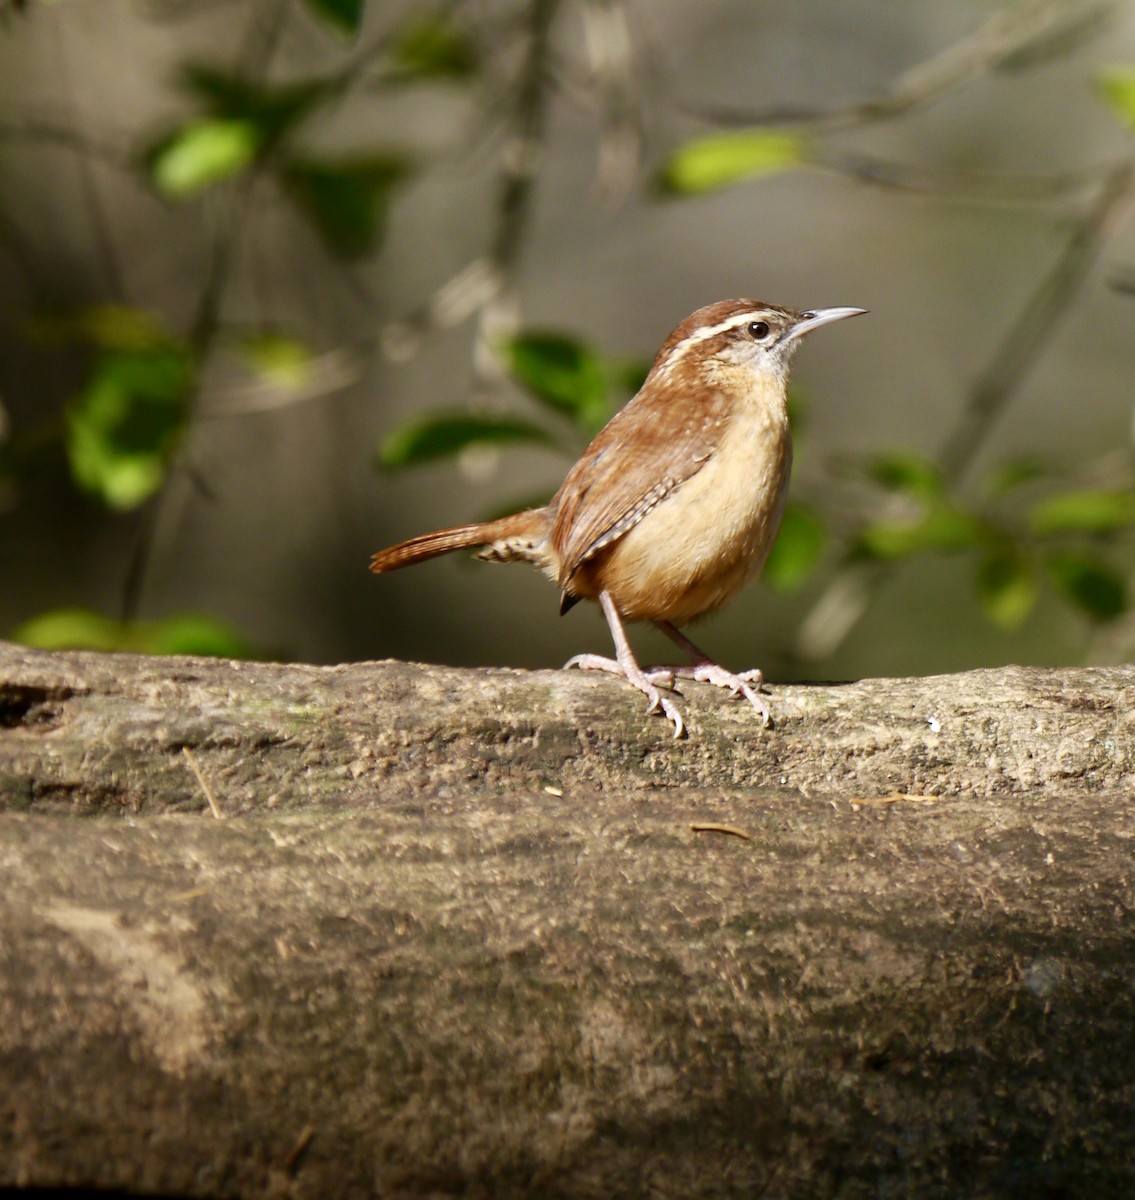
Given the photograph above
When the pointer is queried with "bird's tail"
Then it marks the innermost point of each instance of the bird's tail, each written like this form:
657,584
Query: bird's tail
522,535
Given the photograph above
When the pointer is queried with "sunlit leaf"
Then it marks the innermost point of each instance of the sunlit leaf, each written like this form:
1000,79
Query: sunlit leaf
797,550
345,201
725,158
910,474
82,629
1095,587
432,47
1086,511
345,15
283,361
561,372
1007,587
445,436
124,424
70,629
942,529
108,326
1117,87
202,153
195,633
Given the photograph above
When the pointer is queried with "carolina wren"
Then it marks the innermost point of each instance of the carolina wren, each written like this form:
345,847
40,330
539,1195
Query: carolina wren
676,502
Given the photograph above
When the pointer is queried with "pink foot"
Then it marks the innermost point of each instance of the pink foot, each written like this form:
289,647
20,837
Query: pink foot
645,681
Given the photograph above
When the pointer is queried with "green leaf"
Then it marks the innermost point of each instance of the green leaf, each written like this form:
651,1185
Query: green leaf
194,633
726,158
108,326
1007,587
345,15
942,529
70,629
431,48
444,436
562,373
1091,584
82,629
910,474
797,549
202,153
1085,511
125,423
281,360
345,201
1117,87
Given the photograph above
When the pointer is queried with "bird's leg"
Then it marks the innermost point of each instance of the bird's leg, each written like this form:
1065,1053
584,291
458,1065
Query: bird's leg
625,664
704,670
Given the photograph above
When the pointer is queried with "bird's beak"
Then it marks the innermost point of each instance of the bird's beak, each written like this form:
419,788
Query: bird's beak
817,317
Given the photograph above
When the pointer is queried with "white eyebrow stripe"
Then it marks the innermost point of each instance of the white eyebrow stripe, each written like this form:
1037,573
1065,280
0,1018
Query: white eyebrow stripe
711,331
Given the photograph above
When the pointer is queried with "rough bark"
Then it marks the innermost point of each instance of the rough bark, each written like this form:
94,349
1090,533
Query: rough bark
456,934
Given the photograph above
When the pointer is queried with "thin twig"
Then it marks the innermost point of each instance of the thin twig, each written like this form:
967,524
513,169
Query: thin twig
299,1146
848,593
480,284
968,187
1007,34
102,236
520,164
232,207
39,132
711,827
611,49
214,807
1031,332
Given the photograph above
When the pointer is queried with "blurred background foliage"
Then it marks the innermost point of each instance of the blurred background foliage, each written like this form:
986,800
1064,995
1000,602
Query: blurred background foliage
283,281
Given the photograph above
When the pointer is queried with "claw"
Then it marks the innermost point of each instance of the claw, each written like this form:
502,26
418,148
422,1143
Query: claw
705,670
627,666
659,703
738,685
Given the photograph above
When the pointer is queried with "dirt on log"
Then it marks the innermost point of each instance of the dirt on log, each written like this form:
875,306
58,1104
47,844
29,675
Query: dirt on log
396,930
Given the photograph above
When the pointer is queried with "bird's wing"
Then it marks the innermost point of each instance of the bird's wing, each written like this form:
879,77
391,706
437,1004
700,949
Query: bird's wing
640,457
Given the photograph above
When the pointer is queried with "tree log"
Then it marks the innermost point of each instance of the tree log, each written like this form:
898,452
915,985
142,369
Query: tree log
496,933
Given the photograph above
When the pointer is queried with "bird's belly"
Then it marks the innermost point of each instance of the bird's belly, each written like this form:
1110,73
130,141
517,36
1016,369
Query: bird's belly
696,549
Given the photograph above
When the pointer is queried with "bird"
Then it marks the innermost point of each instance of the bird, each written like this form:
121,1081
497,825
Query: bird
676,502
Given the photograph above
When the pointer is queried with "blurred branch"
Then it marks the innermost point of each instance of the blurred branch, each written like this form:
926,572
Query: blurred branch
16,245
1027,338
322,375
850,591
962,186
479,286
1124,280
610,46
230,212
1010,33
45,132
102,236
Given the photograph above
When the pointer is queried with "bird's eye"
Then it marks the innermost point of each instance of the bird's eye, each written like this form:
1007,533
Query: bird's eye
757,330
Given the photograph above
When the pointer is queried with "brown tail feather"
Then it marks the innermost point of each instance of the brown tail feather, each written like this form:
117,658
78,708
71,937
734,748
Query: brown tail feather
516,534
